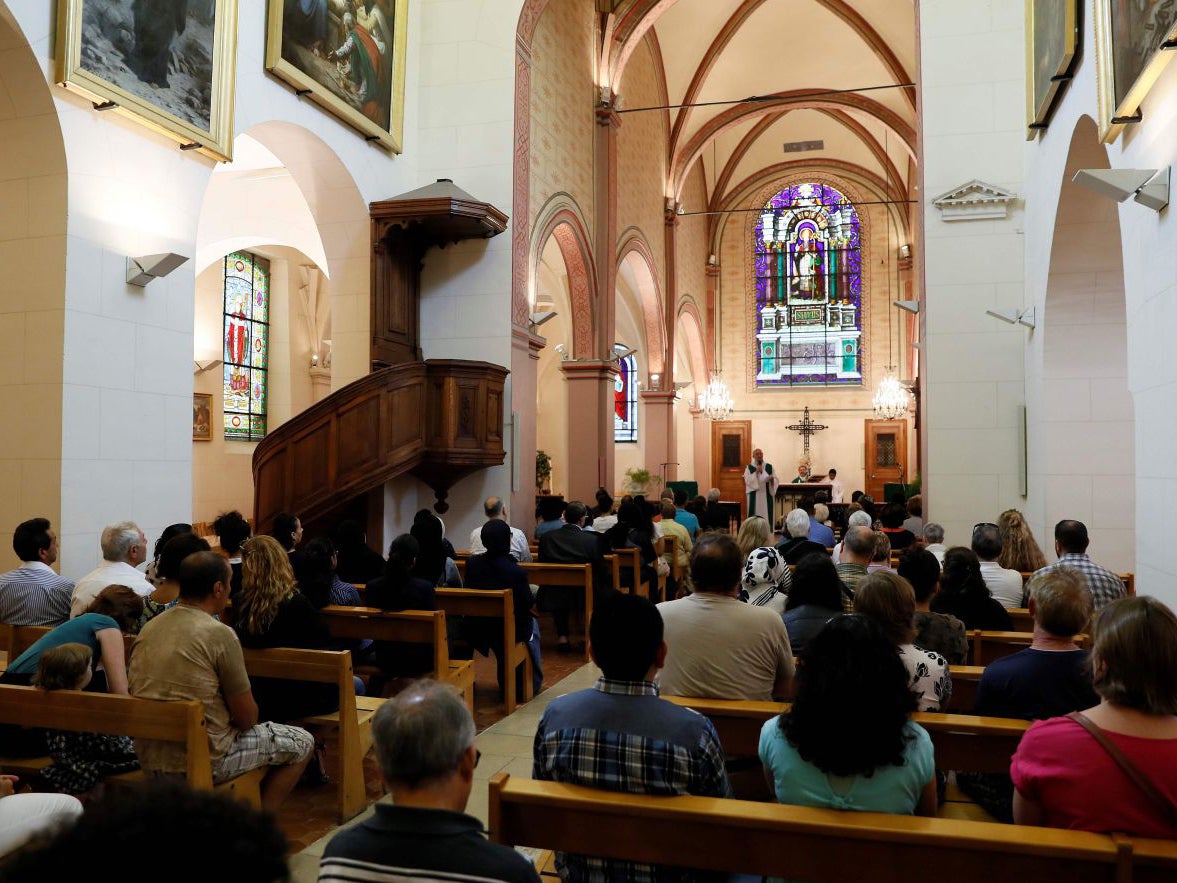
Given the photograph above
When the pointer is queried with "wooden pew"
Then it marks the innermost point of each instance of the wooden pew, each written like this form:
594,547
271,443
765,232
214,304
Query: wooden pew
425,627
962,741
965,681
805,843
1022,620
631,560
181,721
495,604
1128,578
987,647
347,732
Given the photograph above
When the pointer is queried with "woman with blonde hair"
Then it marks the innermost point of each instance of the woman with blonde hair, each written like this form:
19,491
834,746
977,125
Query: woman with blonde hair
1019,549
766,578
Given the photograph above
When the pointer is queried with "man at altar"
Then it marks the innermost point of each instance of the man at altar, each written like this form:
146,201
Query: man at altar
804,473
761,483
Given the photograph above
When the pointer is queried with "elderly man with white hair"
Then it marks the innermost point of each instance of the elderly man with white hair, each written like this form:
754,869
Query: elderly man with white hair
934,540
124,548
858,518
424,739
797,544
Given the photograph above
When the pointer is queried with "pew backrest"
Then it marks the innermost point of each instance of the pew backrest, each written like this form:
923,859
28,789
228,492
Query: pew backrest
426,627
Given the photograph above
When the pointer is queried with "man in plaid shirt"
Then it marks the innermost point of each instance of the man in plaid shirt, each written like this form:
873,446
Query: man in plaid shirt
619,736
1070,545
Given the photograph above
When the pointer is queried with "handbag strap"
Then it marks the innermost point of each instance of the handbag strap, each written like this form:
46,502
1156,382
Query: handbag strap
1161,801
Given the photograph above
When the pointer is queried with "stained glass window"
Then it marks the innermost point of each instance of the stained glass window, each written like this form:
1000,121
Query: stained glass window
247,345
625,401
807,256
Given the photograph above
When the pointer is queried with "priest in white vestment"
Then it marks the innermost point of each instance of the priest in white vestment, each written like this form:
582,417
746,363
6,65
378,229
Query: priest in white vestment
761,483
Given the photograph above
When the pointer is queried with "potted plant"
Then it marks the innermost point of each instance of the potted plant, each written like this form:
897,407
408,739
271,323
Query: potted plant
543,470
638,480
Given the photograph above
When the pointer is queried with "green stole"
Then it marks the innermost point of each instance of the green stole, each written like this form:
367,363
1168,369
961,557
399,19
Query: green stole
752,496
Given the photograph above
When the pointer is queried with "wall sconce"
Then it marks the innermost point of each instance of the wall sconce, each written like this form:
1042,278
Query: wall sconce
1014,317
905,252
655,381
1148,187
142,270
563,351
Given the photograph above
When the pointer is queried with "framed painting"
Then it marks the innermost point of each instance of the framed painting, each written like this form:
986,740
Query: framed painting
1134,40
1052,50
346,55
202,416
168,64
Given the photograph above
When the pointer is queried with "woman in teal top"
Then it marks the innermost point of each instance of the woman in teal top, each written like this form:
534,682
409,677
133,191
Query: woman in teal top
116,610
848,742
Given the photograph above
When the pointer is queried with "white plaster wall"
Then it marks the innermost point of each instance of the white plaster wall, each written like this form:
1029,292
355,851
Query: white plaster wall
972,59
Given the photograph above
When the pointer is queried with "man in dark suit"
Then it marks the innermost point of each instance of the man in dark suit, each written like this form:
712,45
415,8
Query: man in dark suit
572,544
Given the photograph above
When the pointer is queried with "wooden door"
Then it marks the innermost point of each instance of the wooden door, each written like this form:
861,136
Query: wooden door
886,455
731,451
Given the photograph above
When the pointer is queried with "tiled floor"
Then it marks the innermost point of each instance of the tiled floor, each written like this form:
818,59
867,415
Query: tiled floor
308,818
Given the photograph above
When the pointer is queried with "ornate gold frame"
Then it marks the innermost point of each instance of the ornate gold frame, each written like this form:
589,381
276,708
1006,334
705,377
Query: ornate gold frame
1105,76
216,142
391,139
1038,113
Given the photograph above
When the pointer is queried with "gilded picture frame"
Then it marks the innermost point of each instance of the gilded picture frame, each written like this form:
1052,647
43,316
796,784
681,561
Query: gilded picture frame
348,56
202,417
169,65
1052,51
1133,44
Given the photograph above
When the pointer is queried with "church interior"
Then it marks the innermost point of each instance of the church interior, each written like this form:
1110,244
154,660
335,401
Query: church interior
906,258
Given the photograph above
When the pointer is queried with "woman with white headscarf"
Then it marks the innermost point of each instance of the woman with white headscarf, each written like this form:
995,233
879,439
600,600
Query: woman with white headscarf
766,578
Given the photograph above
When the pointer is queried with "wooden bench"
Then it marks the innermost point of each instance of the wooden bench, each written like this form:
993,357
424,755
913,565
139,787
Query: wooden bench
181,722
1129,580
965,681
346,732
631,560
495,604
1021,618
805,843
988,647
425,627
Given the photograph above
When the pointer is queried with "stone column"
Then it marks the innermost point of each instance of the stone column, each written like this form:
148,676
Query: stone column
320,382
712,299
605,230
658,422
662,417
590,426
525,349
702,464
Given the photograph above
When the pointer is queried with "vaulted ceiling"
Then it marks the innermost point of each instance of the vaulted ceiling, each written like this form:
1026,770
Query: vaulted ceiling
828,70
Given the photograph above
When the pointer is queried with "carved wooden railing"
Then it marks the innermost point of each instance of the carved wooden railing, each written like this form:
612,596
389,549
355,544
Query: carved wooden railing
440,420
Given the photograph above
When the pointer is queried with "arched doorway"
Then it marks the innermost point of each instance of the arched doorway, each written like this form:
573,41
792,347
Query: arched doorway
1087,441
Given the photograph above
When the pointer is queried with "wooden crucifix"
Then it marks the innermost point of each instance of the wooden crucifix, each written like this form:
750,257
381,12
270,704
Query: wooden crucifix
807,428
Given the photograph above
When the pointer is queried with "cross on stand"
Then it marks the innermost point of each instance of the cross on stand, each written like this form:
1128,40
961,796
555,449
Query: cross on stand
807,428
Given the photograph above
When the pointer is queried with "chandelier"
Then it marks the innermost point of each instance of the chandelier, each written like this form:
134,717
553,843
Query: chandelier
892,400
716,400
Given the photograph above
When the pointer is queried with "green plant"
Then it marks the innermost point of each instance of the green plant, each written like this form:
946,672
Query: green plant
543,469
639,479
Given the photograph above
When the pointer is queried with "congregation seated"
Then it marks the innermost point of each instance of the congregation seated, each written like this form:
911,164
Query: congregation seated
169,532
933,535
858,549
434,564
185,653
318,577
34,594
963,593
495,569
1019,550
682,540
550,516
287,530
1070,545
1051,678
682,516
80,760
856,518
819,531
634,529
30,819
272,612
881,558
1005,586
898,536
848,741
715,516
720,647
1110,768
167,572
915,515
571,544
447,547
424,741
124,548
889,600
766,578
620,736
357,561
603,516
232,530
796,545
814,599
224,838
496,510
396,590
940,633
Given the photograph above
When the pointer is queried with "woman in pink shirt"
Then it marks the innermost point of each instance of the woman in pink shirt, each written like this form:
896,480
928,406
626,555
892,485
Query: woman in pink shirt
1064,775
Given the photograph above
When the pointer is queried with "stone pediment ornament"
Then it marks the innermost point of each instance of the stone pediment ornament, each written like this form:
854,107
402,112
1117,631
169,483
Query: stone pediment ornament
974,201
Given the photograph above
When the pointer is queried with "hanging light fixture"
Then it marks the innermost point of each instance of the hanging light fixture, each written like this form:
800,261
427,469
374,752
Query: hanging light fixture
892,399
716,400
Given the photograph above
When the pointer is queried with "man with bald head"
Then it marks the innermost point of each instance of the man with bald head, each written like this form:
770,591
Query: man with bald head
496,508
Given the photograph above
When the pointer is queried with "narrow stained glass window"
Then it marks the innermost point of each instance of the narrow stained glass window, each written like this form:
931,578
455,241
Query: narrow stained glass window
807,256
625,401
247,345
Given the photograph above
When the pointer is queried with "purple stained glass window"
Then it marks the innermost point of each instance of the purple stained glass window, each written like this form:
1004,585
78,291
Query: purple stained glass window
246,345
807,257
625,401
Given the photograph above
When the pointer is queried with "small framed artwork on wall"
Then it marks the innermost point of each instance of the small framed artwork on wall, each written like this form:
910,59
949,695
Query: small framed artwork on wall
1052,49
1133,43
202,416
